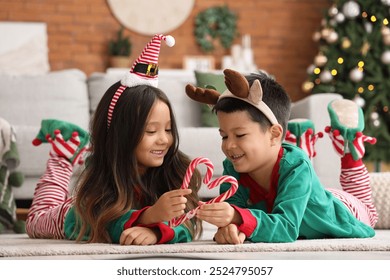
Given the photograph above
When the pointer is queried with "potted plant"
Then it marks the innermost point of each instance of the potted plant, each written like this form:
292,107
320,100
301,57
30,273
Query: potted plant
120,50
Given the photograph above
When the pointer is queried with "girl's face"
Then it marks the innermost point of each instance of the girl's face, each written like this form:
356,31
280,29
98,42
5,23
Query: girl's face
157,138
245,143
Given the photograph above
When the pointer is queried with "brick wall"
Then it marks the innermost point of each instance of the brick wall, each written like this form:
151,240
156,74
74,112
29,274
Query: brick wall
78,32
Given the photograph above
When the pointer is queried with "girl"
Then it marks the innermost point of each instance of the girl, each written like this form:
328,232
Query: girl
280,198
129,187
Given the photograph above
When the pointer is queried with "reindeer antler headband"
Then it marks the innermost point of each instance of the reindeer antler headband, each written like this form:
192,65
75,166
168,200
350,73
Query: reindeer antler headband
237,87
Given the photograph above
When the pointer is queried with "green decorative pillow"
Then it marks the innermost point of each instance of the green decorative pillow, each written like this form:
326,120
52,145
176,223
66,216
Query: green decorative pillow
216,80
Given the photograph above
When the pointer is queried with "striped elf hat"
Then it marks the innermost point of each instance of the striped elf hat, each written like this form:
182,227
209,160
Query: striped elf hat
144,70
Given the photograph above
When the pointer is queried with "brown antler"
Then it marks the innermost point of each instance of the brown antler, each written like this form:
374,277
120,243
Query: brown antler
236,83
203,95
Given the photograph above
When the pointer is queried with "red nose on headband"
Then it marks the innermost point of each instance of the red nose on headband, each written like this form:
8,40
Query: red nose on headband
143,72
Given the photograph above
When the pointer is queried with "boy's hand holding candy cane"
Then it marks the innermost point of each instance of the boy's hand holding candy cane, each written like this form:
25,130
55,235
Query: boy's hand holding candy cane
219,214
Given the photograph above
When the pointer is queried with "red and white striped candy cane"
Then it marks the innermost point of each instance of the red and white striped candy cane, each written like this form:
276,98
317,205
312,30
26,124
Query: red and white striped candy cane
222,197
229,193
186,182
191,168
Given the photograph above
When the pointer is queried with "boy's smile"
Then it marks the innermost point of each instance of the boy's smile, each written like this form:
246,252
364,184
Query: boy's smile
250,147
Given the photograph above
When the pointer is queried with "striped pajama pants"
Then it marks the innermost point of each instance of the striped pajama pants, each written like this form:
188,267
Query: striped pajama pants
356,193
51,201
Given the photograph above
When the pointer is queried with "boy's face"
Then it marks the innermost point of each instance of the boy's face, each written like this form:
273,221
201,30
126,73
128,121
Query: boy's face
245,143
157,138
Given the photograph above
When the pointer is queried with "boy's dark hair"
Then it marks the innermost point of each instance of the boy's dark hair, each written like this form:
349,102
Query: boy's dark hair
274,96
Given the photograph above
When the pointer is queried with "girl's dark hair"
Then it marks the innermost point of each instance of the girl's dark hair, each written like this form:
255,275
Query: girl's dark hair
274,96
111,184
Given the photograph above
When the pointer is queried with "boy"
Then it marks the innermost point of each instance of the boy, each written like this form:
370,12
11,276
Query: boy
280,198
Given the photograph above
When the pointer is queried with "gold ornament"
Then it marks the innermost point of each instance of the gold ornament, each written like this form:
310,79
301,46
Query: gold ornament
307,86
346,43
365,48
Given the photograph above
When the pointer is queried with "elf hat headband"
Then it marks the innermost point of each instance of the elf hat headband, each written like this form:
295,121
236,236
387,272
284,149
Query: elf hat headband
144,70
237,87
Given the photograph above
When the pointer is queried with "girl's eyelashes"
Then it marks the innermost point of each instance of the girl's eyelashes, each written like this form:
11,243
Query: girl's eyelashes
155,131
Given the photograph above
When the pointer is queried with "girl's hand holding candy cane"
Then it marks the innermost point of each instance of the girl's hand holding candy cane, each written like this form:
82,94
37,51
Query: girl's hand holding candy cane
170,205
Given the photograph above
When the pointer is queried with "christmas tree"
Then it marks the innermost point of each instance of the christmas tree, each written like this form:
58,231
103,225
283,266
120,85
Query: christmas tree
354,61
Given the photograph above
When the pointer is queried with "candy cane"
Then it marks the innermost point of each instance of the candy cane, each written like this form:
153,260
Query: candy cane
228,179
229,193
186,182
191,168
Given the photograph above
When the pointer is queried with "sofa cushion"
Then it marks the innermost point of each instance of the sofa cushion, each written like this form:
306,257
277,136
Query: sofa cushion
217,80
59,95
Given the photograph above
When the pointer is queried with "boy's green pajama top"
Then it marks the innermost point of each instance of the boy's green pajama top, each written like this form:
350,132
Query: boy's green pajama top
296,207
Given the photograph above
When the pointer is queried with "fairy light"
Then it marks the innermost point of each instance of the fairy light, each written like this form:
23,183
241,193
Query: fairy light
385,21
371,87
373,18
333,72
361,64
360,90
364,14
340,60
317,71
317,81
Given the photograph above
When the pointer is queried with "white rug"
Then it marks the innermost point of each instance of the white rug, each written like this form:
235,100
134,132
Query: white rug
19,245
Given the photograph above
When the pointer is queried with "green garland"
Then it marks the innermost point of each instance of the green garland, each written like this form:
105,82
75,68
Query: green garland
215,23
